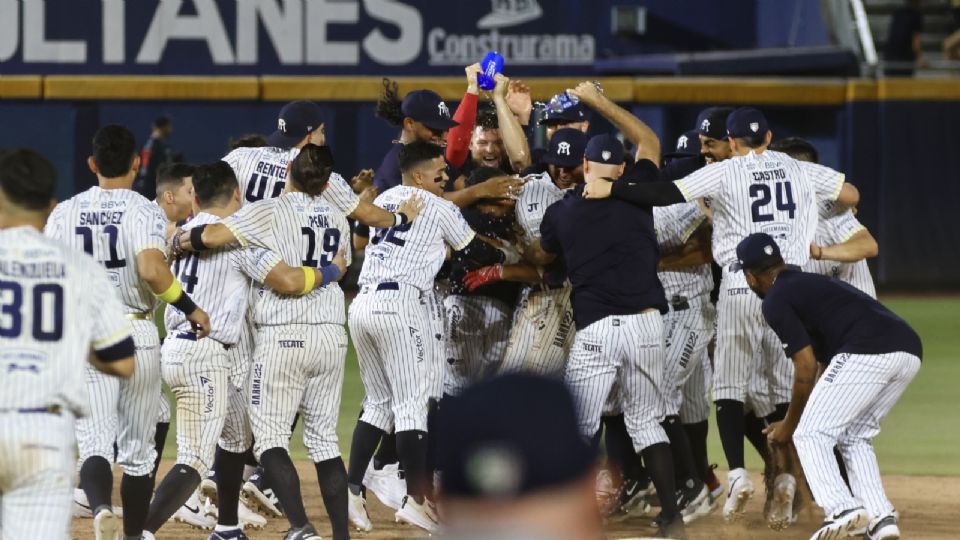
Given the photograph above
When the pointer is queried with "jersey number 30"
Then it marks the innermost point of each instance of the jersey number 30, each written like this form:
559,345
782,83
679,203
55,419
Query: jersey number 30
47,323
760,195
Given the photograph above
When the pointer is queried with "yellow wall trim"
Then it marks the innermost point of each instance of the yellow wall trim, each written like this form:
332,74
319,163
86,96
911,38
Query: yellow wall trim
21,87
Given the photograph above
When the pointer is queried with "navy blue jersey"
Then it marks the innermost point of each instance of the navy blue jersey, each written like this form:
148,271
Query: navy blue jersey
610,251
388,173
833,317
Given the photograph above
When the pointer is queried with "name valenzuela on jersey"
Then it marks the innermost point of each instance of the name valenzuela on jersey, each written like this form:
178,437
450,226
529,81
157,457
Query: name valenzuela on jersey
40,270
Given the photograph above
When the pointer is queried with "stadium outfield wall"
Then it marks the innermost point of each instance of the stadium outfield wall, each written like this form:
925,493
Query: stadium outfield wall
894,138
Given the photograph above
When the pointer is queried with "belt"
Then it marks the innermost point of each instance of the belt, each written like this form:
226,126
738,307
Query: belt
734,267
143,316
49,409
679,303
388,286
192,336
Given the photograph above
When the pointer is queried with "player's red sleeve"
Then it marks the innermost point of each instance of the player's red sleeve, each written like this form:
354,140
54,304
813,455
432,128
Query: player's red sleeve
458,137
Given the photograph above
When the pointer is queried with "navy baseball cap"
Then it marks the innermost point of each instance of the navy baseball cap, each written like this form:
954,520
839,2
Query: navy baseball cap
558,115
426,107
605,149
297,119
566,148
712,122
759,250
688,145
745,122
510,436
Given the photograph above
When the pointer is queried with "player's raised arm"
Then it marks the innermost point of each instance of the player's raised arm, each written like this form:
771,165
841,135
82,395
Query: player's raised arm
514,140
635,130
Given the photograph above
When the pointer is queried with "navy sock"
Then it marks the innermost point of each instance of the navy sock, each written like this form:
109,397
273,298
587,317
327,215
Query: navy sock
176,487
96,479
285,482
731,427
332,476
365,440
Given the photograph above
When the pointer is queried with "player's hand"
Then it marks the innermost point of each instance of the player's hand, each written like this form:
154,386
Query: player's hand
369,194
777,434
200,322
586,92
411,207
362,181
816,252
503,84
341,261
483,276
473,86
597,189
519,101
501,187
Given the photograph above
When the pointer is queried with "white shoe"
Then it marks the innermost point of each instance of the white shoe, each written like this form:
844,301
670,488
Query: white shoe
106,526
208,490
421,515
738,493
194,513
262,499
81,506
689,510
387,484
842,524
357,507
249,518
781,515
709,505
884,528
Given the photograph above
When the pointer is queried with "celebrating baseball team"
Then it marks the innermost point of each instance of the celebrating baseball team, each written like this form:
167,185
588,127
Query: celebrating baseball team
730,269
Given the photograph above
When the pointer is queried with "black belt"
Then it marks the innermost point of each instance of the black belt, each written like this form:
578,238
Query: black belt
679,303
49,409
734,267
388,286
192,336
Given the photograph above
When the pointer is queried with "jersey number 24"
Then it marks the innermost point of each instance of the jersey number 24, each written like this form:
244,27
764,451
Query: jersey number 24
761,196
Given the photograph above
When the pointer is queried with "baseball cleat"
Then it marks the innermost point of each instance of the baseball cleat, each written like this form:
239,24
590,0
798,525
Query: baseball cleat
713,483
250,519
690,498
421,515
673,529
194,513
307,532
387,484
780,515
842,524
738,493
208,488
883,528
710,503
235,534
257,496
357,510
106,525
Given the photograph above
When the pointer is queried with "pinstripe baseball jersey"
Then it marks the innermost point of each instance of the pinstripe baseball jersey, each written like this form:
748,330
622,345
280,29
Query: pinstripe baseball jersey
835,228
303,231
538,193
768,192
220,280
262,174
55,304
414,252
113,226
674,225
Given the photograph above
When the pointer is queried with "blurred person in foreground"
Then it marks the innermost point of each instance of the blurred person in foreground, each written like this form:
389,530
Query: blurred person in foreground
515,467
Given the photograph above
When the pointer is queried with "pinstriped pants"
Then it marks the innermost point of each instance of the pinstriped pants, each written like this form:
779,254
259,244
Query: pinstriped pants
855,394
297,368
125,411
696,407
478,327
237,435
686,336
542,332
36,475
627,349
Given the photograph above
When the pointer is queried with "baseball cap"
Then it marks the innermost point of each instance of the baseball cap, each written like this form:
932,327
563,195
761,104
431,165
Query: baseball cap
426,107
509,436
688,145
605,149
745,122
559,115
758,250
297,119
712,122
566,148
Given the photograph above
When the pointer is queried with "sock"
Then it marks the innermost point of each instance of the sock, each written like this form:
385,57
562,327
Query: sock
159,441
229,467
730,425
226,528
332,475
685,470
753,431
618,443
176,487
659,462
251,459
697,435
135,493
387,452
412,449
96,479
285,482
779,412
433,436
365,439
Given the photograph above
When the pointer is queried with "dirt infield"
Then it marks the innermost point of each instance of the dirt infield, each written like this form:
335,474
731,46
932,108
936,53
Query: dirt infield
927,506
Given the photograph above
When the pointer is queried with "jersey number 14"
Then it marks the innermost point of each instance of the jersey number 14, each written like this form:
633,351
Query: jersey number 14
761,196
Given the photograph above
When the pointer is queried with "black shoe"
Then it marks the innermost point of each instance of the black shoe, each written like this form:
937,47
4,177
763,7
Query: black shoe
690,496
672,529
307,532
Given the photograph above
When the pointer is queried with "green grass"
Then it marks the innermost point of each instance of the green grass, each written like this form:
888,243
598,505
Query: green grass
920,437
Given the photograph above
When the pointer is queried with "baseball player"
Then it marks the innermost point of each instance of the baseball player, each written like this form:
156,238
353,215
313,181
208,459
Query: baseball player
712,131
59,306
301,342
865,356
842,244
125,232
756,190
393,328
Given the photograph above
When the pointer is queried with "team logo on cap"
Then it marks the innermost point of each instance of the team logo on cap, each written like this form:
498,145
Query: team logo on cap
705,125
494,470
768,249
563,148
754,126
682,142
444,111
606,154
282,125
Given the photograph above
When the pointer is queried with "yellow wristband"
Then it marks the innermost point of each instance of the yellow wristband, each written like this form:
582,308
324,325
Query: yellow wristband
172,294
309,279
